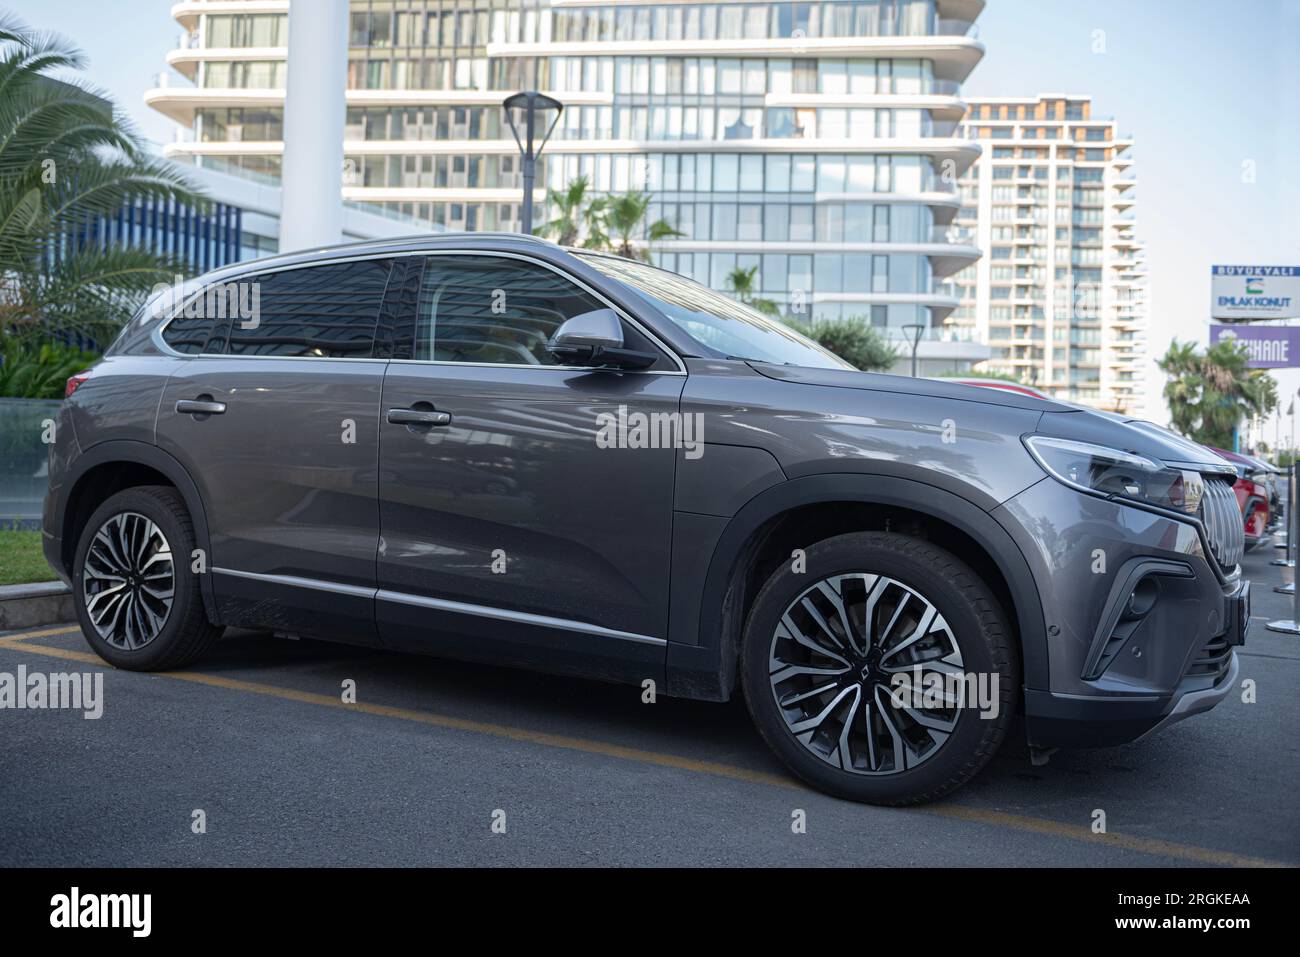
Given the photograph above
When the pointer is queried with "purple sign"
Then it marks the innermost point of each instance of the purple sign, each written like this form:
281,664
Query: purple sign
1270,347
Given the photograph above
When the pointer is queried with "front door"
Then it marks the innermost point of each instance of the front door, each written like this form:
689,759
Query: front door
510,529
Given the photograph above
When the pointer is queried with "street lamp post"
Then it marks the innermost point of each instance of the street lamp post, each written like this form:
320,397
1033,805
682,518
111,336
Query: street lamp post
914,333
529,108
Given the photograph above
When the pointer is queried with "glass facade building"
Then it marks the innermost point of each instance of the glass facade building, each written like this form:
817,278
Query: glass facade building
201,238
1060,294
815,141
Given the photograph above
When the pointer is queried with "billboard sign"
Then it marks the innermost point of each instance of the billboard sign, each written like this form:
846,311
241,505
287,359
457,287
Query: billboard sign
1247,293
1269,347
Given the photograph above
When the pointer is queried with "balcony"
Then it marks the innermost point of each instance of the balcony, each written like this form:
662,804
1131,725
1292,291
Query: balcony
186,60
187,13
941,348
954,53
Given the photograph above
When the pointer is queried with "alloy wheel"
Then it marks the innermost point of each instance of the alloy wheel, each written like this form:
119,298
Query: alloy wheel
128,581
833,656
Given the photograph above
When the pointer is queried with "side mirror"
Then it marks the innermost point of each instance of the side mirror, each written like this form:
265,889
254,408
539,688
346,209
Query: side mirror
596,339
584,335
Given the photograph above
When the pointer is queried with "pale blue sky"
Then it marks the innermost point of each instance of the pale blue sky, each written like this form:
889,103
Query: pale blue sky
1203,86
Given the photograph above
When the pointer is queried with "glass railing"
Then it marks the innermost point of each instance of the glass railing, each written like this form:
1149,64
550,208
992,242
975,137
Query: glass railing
594,25
942,87
24,457
947,333
956,28
955,235
232,167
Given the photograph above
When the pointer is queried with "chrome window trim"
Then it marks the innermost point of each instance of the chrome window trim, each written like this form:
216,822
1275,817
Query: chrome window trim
161,343
213,355
442,604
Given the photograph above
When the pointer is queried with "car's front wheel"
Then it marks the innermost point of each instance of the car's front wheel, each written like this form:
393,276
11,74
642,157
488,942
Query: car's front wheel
138,599
879,669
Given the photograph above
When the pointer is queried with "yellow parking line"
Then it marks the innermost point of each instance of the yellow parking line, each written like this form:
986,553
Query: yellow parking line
14,639
1144,845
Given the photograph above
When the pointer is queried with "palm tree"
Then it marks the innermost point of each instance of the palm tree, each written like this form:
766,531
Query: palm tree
1211,393
67,159
743,284
624,217
576,214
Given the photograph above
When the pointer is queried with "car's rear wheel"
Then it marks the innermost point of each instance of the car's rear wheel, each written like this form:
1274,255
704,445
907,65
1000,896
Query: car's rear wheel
882,671
137,598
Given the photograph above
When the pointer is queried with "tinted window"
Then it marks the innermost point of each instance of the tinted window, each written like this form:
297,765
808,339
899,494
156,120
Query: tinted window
199,323
188,334
325,311
485,309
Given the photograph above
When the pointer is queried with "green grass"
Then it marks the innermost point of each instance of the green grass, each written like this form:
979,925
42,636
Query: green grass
21,558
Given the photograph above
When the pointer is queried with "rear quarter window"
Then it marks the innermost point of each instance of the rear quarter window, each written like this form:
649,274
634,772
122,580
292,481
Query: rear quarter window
188,335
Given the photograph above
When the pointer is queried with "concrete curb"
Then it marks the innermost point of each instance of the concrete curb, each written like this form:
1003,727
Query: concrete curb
29,606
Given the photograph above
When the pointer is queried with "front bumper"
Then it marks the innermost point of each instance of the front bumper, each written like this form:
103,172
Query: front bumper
1076,721
1141,629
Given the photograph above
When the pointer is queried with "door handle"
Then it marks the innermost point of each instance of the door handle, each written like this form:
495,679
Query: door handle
418,417
203,405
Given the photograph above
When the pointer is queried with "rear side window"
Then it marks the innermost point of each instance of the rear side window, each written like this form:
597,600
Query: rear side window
200,323
325,312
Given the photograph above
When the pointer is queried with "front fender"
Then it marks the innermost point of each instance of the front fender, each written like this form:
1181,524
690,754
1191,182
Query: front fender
702,659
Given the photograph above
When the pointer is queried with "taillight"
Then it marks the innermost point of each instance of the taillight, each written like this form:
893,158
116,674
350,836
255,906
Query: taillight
74,383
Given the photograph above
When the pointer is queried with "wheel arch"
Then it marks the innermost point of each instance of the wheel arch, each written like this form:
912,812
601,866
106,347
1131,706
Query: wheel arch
708,668
109,467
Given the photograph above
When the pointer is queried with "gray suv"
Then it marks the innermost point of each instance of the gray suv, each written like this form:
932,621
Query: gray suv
489,447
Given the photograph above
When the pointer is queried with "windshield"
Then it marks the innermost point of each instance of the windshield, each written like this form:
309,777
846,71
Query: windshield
719,322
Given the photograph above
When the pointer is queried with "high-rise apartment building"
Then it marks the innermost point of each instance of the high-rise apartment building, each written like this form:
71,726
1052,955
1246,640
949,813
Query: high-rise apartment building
1059,295
815,141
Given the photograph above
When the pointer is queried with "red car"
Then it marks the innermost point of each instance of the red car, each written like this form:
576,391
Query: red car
1252,495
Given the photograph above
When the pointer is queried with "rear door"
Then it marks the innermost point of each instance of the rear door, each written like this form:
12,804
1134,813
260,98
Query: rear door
509,530
277,421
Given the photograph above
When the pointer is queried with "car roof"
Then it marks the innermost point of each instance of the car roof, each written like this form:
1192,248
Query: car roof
398,244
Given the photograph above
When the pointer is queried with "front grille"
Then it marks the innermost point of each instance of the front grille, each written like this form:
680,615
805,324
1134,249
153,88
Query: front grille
1221,516
1214,659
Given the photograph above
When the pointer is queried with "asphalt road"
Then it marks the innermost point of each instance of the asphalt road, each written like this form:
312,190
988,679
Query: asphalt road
416,772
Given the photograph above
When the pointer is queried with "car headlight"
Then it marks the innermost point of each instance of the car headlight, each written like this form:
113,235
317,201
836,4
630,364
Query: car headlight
1112,473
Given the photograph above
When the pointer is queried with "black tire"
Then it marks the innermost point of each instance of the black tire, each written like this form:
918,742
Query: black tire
186,632
975,623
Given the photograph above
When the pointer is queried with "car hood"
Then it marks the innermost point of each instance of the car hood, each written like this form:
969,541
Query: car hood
1058,418
879,382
